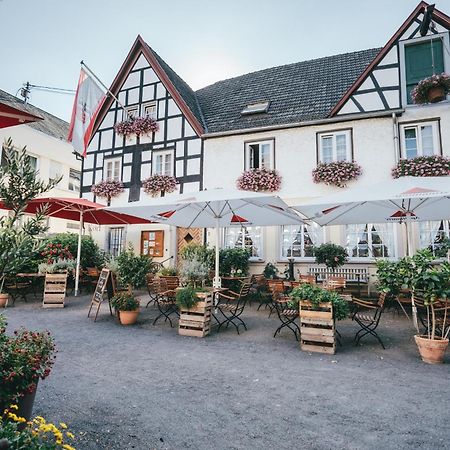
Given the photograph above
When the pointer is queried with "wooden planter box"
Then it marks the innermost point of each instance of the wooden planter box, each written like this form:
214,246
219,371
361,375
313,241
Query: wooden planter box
317,328
196,321
54,290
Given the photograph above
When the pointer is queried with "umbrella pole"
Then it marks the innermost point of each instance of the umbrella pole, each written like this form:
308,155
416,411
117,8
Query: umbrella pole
410,253
77,272
217,281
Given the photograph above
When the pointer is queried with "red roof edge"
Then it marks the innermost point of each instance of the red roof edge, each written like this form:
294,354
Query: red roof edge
438,15
139,46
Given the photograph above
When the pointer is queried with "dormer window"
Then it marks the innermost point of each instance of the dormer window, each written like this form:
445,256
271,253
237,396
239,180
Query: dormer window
255,108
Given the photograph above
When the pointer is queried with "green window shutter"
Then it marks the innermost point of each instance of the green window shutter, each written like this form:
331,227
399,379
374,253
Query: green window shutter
419,63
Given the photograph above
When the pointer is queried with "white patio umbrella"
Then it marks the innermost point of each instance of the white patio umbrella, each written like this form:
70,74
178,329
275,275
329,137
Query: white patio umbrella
214,208
401,200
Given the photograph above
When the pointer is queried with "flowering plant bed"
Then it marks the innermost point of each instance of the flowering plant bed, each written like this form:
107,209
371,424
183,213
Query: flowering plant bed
422,166
56,252
259,180
107,189
157,184
337,173
137,126
26,357
431,90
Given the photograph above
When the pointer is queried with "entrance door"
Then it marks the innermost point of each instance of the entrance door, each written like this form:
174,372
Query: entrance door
187,236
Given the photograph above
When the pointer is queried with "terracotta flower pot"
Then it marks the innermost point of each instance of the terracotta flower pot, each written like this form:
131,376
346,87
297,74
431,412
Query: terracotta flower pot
4,300
128,317
432,351
436,94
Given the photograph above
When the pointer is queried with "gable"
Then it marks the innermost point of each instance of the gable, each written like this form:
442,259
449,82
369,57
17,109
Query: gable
379,88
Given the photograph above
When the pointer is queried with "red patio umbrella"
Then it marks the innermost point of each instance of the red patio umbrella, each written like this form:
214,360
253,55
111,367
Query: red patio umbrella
82,210
11,116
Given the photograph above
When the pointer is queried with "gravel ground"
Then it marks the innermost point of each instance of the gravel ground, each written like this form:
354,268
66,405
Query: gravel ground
145,387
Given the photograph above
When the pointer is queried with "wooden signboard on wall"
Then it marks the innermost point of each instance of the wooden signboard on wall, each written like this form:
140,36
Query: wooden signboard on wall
105,284
152,243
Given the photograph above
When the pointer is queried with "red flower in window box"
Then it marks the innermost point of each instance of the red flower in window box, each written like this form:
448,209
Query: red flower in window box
422,166
159,184
337,173
259,180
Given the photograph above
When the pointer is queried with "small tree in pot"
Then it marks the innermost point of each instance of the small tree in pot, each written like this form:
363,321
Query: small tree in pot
332,255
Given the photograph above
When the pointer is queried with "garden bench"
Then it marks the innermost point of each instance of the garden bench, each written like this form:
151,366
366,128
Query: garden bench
358,275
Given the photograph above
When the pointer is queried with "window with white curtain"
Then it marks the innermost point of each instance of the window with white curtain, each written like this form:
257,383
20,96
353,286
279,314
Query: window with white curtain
250,238
371,240
420,139
298,241
55,170
112,169
163,163
432,234
335,146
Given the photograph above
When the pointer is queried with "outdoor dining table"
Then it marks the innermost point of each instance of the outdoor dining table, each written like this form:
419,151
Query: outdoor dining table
31,279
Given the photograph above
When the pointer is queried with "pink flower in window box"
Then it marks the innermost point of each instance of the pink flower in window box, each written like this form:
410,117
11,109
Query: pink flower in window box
422,166
159,184
259,180
337,173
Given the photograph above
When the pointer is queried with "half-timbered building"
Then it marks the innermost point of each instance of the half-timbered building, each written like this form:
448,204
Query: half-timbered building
351,107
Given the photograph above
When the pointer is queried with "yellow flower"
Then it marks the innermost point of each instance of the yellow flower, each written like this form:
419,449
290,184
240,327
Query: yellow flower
13,407
70,435
68,447
63,425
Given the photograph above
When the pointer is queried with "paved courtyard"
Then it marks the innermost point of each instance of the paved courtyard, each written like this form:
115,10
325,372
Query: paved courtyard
145,387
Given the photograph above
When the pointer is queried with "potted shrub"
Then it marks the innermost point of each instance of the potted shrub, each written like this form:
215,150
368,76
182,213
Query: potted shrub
107,189
19,183
194,271
259,180
422,166
127,307
195,311
132,269
159,184
26,357
332,255
337,173
234,261
431,90
318,310
270,271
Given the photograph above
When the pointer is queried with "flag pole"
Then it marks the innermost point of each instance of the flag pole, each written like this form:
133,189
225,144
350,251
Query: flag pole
104,86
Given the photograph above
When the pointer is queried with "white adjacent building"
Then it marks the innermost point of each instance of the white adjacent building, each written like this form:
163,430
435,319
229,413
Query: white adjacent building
49,152
352,107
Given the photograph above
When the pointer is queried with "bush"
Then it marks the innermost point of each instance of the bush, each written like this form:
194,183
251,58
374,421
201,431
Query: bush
91,255
168,272
124,302
186,298
234,261
199,252
194,270
270,271
132,269
331,255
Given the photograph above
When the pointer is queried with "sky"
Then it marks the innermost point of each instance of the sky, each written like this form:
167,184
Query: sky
43,41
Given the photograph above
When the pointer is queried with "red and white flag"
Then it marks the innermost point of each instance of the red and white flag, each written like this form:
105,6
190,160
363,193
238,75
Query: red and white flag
88,100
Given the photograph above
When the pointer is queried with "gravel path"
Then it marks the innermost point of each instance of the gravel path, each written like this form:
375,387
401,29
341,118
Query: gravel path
144,387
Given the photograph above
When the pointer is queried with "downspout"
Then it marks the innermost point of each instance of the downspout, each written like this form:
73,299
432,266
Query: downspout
396,137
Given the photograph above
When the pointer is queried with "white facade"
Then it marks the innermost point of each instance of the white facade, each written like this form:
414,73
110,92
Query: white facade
54,157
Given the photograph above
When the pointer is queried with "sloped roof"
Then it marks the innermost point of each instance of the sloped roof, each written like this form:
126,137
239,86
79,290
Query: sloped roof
51,125
297,92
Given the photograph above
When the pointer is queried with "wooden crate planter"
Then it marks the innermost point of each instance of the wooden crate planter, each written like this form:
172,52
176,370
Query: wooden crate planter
54,290
196,321
317,328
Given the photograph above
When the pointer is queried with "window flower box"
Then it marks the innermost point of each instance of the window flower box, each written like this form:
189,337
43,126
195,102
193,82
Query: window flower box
431,90
259,180
137,126
422,166
337,173
159,184
107,189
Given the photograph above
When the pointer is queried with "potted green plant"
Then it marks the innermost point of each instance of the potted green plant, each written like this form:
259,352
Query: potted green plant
234,261
26,357
132,269
270,271
19,183
332,255
194,271
127,307
431,90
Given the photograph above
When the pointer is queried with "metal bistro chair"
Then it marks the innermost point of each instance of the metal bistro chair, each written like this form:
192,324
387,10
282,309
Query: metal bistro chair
165,300
310,279
275,286
334,283
151,288
231,306
368,322
286,315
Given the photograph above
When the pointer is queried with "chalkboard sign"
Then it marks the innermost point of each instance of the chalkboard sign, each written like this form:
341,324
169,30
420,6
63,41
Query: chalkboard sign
105,284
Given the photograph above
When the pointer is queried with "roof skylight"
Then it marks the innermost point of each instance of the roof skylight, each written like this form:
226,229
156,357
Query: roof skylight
256,108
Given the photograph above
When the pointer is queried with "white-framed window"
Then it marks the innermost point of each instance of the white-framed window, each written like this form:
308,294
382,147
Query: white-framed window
116,241
130,111
74,180
335,146
162,163
420,139
34,162
260,155
432,234
298,241
371,240
112,169
250,238
55,170
149,110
